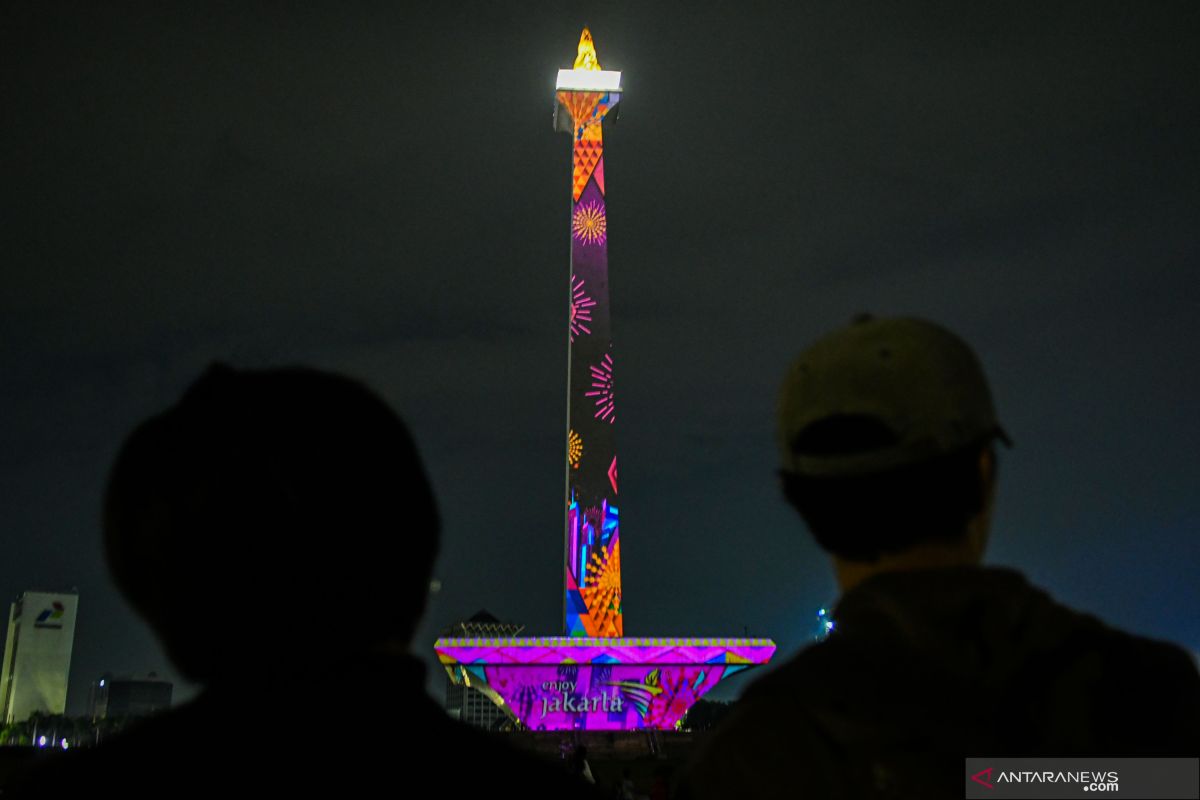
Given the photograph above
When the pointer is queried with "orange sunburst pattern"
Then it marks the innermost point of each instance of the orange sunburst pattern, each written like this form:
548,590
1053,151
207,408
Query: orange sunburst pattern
589,224
574,449
602,591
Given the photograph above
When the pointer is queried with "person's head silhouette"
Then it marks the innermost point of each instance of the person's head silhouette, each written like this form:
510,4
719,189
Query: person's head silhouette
271,523
886,431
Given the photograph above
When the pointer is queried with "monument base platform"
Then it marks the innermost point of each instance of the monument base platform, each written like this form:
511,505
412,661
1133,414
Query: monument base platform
559,683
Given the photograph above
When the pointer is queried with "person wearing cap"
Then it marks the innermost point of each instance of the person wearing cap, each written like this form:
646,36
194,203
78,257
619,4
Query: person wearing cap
277,531
888,432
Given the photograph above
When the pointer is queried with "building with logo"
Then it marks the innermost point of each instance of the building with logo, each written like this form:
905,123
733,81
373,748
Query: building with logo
37,655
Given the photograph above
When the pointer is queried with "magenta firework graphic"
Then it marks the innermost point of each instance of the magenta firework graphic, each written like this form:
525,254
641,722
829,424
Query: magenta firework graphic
581,308
602,389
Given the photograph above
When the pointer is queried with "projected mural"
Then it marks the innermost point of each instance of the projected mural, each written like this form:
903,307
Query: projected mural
558,683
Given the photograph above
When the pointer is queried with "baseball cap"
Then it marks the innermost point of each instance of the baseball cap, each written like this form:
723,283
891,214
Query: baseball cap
916,387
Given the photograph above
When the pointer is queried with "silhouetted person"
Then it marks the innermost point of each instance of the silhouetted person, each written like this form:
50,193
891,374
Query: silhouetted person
278,532
577,764
887,430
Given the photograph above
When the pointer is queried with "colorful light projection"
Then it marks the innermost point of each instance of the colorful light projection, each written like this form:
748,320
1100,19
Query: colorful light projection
561,683
594,553
589,225
581,308
574,449
602,390
592,679
592,604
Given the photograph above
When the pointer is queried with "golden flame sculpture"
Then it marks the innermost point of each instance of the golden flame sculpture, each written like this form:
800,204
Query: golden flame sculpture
587,52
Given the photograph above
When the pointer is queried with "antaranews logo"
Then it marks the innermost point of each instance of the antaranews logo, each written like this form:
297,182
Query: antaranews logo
1045,778
1088,781
984,778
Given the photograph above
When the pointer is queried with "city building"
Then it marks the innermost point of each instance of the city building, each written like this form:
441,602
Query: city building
467,703
130,696
37,655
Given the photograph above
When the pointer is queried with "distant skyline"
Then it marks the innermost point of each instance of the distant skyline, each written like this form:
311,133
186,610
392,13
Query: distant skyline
378,190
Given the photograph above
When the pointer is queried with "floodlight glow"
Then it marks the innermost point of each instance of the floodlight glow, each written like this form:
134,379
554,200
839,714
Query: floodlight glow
41,741
586,80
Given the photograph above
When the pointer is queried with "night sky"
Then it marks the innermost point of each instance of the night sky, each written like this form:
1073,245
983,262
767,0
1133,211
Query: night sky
377,189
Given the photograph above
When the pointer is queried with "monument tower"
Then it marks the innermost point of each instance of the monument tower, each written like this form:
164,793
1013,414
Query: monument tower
592,556
593,678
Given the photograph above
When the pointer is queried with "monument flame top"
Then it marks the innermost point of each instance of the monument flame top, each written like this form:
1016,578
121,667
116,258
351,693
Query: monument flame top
588,76
587,53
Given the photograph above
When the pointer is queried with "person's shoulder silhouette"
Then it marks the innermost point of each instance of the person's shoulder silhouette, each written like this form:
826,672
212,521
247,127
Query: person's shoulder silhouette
277,531
887,432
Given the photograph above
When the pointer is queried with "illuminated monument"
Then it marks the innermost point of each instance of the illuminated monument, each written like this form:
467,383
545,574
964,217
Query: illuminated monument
592,678
592,557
